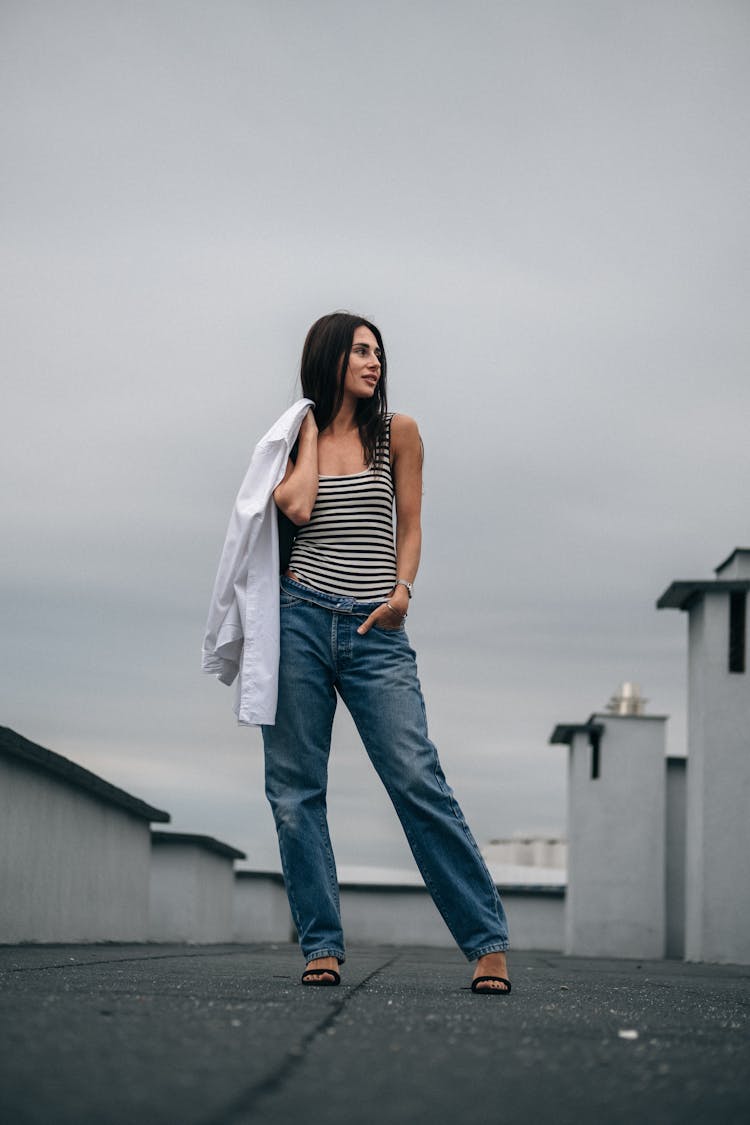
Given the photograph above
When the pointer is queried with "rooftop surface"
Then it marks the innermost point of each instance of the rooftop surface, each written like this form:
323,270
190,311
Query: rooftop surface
225,1035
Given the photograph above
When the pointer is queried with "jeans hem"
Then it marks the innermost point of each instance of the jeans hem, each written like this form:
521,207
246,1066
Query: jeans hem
337,953
495,947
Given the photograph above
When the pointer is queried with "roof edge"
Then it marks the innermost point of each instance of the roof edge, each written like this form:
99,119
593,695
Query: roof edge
682,593
15,745
552,890
564,733
250,873
737,551
210,843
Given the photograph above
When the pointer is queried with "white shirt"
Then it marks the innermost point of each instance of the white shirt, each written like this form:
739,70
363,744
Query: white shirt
242,631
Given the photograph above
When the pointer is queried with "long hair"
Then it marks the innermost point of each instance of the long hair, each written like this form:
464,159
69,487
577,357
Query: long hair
325,357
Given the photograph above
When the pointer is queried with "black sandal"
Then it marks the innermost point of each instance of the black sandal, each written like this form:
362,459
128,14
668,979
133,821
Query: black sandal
490,991
309,973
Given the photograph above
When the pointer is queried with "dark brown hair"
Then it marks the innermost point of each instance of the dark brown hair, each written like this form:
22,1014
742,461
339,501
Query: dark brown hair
325,357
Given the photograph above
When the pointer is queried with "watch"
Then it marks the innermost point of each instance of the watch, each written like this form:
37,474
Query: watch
403,582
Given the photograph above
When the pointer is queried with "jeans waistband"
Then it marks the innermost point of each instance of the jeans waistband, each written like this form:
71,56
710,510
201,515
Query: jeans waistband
338,603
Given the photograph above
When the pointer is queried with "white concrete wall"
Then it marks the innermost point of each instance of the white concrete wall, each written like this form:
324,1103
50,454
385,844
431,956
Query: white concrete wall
261,909
718,791
535,921
72,868
697,695
615,904
398,916
191,894
675,856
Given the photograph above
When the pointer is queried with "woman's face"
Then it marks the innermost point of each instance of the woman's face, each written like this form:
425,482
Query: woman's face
363,371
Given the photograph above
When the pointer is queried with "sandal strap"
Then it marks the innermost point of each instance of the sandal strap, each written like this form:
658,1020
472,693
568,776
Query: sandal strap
310,973
501,991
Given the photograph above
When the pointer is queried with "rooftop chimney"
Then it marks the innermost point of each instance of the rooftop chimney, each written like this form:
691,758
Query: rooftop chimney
627,701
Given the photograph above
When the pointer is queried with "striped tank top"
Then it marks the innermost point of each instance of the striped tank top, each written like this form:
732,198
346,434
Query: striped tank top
348,546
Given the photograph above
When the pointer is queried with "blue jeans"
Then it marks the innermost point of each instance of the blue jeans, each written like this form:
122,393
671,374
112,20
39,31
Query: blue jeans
376,676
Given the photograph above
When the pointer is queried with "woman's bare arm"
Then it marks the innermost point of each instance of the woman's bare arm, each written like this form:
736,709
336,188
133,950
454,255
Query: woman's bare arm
407,472
298,490
406,446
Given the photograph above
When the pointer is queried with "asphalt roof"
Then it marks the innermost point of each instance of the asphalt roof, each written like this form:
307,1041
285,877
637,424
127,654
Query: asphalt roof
227,1035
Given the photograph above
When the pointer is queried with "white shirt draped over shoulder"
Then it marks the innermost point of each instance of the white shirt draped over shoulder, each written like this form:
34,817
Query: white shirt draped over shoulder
242,631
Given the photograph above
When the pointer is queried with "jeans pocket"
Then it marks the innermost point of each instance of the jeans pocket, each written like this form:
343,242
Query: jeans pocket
286,601
383,629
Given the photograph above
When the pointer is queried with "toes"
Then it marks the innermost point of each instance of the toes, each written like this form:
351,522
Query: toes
492,985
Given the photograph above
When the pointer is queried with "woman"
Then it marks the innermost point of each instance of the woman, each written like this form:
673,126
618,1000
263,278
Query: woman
344,599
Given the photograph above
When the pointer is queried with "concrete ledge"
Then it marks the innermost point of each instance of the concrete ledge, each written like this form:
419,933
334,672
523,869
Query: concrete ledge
209,843
395,912
74,850
682,594
191,888
261,909
406,914
31,754
556,890
564,733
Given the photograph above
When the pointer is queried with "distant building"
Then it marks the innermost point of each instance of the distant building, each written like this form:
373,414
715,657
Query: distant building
547,852
717,920
659,848
618,899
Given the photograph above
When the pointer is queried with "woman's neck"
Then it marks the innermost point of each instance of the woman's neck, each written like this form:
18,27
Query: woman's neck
343,421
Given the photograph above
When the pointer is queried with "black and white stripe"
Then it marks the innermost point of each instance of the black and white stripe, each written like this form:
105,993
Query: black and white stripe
348,546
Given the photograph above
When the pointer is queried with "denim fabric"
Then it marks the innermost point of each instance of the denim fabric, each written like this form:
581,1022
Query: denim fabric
376,676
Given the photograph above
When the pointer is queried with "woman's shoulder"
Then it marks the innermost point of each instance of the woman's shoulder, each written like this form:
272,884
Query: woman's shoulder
404,432
403,424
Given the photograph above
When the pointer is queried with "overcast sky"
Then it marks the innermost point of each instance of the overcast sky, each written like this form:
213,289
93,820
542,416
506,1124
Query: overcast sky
543,205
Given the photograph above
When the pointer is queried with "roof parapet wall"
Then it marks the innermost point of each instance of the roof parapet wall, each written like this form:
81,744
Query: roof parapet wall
15,745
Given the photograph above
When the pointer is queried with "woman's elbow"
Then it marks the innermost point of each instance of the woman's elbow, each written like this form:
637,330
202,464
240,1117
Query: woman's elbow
295,508
299,514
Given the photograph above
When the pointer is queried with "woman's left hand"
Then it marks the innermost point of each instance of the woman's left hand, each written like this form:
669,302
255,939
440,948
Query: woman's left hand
389,615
